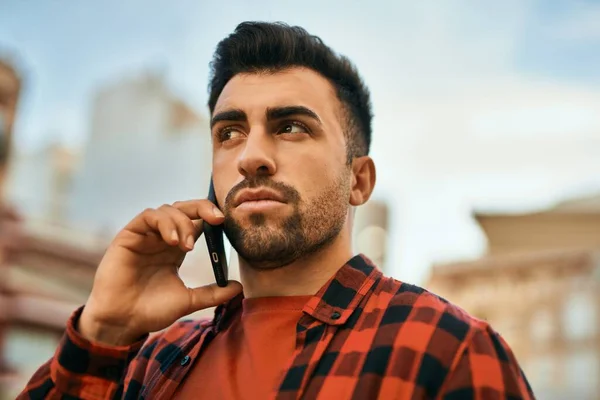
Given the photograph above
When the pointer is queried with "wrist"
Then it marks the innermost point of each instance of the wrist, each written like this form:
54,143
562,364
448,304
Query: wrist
103,333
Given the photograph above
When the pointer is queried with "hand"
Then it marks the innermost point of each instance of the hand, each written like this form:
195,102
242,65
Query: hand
137,288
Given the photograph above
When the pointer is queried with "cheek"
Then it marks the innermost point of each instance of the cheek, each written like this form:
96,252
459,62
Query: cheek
222,160
317,178
314,167
225,176
308,169
310,157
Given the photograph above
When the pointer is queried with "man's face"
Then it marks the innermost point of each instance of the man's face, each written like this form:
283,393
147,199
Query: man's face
279,165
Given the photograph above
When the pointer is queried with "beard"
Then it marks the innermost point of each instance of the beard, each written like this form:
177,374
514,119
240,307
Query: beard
269,243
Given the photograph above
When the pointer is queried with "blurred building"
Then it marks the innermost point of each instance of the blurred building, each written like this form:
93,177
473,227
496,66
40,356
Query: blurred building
10,88
539,287
43,276
40,182
146,148
49,274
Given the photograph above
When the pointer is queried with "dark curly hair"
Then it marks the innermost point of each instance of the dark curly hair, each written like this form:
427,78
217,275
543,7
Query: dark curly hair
272,47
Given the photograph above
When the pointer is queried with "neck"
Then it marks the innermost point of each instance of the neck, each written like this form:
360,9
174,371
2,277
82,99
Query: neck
304,276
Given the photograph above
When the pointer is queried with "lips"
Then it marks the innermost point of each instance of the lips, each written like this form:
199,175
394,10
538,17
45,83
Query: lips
258,195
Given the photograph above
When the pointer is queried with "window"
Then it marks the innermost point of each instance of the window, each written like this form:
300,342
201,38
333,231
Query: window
582,369
540,373
27,349
541,326
579,316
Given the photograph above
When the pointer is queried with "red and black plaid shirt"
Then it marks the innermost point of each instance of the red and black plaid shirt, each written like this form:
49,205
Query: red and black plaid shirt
362,336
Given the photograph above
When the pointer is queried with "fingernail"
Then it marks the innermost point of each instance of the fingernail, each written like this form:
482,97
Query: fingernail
174,236
217,212
190,242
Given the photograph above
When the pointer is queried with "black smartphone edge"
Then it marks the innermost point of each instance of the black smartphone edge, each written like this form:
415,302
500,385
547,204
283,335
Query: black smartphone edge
214,242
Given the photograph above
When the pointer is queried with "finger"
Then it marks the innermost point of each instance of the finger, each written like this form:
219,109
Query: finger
185,227
158,221
212,295
201,209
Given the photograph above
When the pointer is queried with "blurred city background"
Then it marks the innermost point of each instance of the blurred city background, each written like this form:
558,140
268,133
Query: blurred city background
486,139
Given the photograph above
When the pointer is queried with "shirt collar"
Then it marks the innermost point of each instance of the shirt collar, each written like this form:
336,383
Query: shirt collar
334,302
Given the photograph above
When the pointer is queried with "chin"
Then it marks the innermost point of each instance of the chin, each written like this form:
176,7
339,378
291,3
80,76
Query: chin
258,218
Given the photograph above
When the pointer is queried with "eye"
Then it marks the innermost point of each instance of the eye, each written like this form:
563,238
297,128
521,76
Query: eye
292,127
229,133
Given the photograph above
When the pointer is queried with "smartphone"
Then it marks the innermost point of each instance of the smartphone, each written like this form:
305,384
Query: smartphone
214,242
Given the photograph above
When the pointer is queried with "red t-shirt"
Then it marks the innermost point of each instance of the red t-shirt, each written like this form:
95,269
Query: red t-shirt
246,361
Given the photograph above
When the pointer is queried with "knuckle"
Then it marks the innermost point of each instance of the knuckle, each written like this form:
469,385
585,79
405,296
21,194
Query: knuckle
148,211
179,216
185,224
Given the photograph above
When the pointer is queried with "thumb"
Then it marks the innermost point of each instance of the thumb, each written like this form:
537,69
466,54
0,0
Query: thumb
212,295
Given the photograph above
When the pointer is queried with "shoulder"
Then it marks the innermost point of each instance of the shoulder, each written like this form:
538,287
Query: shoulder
437,345
422,306
427,323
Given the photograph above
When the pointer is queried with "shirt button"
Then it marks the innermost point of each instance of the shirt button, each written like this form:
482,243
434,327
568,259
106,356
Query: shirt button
185,360
335,315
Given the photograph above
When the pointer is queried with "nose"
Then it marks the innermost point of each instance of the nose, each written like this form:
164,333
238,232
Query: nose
257,157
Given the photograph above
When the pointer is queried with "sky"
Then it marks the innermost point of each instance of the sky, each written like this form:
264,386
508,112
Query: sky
478,105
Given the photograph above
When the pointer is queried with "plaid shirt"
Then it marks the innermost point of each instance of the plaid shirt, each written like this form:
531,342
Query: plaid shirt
362,336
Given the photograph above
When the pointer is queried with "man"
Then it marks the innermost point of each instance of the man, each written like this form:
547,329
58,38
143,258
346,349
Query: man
291,126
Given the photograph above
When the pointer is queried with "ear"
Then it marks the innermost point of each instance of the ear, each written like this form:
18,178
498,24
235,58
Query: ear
363,180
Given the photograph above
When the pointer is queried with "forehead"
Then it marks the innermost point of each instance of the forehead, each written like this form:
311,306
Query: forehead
294,86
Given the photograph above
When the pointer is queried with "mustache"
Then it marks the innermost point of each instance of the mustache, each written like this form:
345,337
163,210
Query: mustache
289,193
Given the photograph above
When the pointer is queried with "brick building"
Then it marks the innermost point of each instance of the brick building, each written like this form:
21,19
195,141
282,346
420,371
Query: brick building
48,274
539,286
45,271
10,88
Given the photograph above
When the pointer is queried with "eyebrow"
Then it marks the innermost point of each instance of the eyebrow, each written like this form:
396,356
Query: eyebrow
273,113
229,115
290,111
